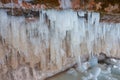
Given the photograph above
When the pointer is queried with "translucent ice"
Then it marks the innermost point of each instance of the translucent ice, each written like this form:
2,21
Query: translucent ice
59,35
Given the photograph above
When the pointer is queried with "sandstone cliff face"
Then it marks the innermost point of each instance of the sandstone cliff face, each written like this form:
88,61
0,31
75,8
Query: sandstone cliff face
9,1
54,42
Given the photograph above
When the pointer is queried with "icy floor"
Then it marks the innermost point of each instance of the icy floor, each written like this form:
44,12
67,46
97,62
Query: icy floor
102,71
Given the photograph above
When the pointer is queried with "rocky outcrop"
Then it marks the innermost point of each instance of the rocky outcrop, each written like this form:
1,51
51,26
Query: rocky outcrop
8,1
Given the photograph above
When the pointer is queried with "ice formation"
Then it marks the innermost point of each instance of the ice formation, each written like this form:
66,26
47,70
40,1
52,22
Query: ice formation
55,38
65,4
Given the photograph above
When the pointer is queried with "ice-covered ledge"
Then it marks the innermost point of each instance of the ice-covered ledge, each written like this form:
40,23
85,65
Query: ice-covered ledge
56,41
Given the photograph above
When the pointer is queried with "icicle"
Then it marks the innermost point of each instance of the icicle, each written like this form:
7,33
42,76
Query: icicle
44,41
65,4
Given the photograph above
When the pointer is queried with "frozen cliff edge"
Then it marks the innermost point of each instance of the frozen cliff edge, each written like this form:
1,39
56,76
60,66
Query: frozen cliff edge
57,40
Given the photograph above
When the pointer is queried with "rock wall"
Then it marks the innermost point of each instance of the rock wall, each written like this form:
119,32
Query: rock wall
9,1
57,40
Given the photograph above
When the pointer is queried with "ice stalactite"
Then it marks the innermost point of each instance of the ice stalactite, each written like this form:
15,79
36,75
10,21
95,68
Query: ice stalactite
65,4
57,39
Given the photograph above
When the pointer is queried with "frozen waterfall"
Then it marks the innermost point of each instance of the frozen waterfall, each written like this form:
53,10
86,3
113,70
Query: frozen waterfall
57,37
65,4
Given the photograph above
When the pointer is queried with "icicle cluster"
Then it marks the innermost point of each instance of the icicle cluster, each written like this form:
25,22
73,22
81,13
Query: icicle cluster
56,38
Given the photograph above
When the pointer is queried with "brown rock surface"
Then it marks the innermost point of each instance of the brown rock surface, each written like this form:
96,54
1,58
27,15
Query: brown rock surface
8,1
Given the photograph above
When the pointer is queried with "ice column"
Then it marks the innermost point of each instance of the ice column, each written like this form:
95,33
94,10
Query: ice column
58,37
